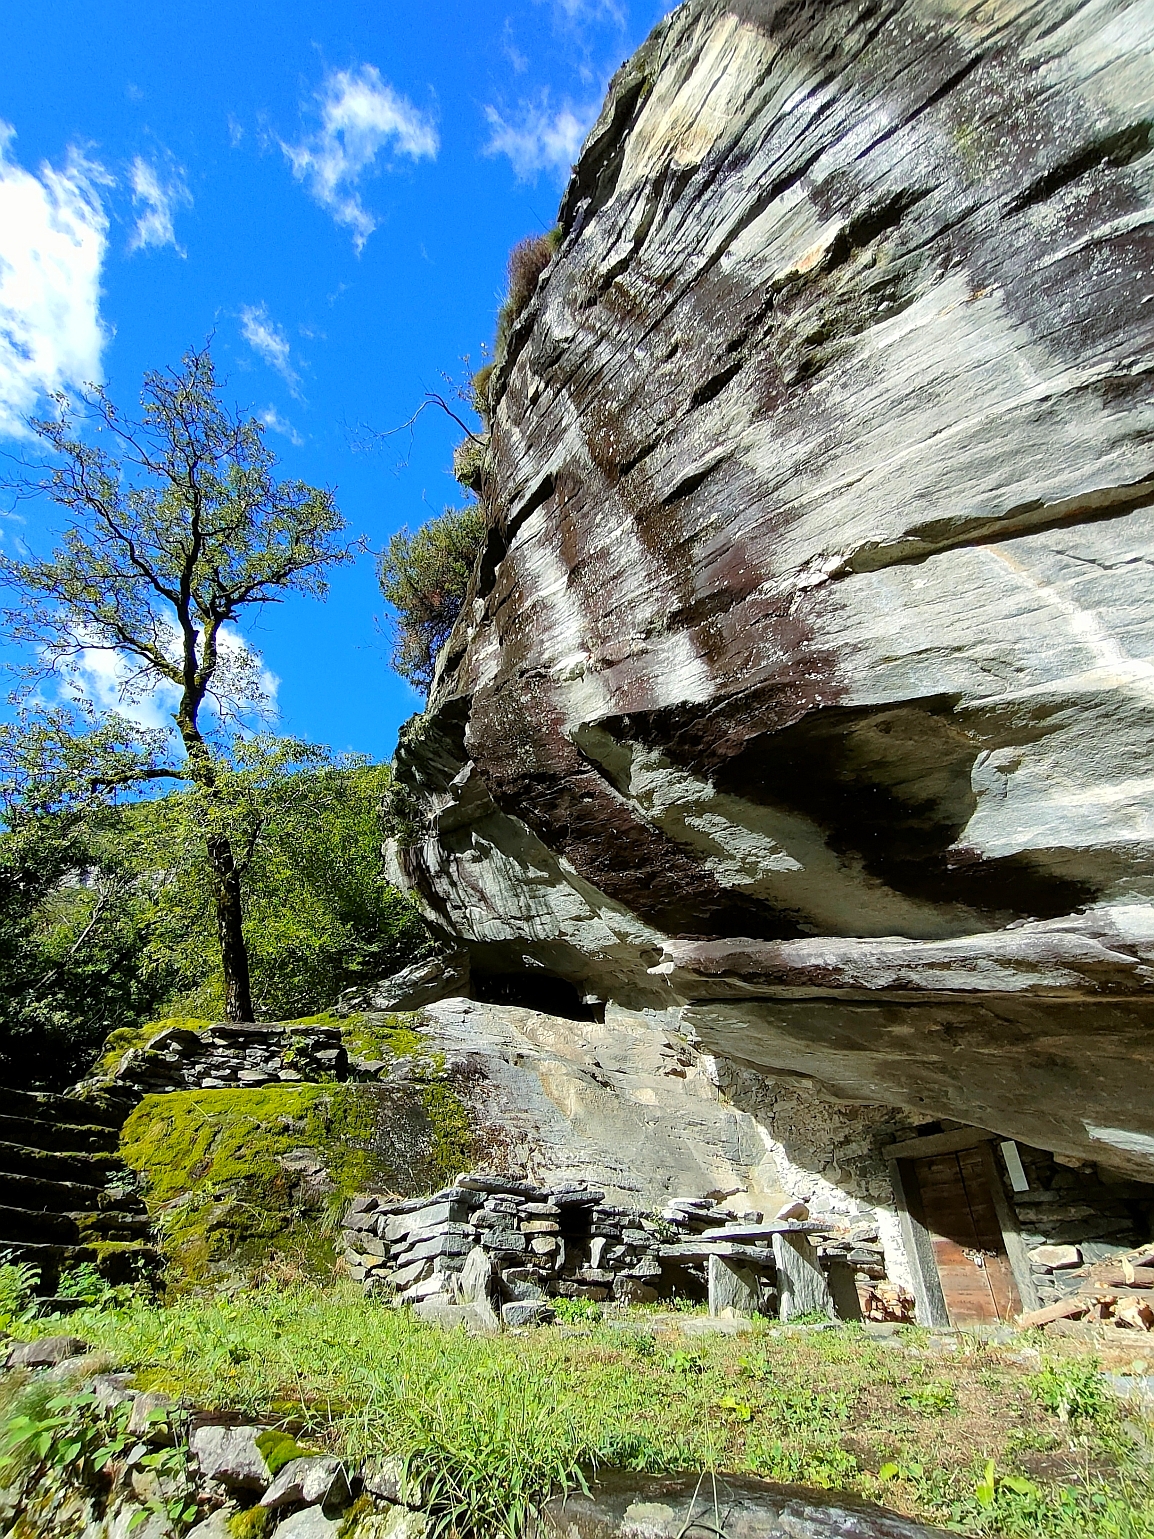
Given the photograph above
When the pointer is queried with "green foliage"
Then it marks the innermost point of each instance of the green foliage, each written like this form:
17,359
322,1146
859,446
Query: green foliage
319,915
932,1399
1074,1390
107,913
55,1443
18,1284
577,1311
424,577
74,941
489,1425
174,525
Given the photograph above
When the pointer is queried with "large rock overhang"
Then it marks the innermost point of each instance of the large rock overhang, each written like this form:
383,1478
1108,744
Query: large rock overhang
816,602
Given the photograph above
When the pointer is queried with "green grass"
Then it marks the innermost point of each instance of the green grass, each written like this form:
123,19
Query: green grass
491,1425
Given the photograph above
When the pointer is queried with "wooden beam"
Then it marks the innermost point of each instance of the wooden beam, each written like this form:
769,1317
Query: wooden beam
937,1143
1011,1235
916,1242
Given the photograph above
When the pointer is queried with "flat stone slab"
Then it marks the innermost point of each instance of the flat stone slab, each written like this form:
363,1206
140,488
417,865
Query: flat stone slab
701,1250
623,1505
748,1233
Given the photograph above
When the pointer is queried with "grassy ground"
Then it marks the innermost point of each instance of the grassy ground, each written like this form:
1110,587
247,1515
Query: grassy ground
494,1421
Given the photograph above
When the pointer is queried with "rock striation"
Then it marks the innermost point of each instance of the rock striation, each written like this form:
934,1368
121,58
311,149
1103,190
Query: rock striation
806,684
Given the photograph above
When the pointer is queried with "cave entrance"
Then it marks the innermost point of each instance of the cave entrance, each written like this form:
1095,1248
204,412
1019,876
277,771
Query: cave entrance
962,1241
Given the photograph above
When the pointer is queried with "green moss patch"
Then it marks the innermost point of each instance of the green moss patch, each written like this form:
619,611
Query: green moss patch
389,1037
239,1180
279,1448
250,1184
130,1038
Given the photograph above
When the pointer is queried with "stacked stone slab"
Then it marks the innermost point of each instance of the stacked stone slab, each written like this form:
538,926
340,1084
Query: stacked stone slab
231,1057
569,1242
67,1198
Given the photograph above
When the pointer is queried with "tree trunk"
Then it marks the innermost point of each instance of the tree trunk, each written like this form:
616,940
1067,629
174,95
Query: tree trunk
230,928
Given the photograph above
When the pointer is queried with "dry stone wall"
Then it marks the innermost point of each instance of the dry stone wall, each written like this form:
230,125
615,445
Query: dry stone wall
226,1056
490,1242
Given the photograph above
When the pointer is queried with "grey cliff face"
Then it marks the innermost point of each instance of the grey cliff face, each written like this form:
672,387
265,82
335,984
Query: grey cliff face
807,681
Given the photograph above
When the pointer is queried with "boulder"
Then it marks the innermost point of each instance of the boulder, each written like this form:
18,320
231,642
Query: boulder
215,1526
451,1317
229,1456
440,977
733,1289
1056,1257
627,1506
308,1523
477,1287
526,1312
803,691
802,1288
47,1352
315,1478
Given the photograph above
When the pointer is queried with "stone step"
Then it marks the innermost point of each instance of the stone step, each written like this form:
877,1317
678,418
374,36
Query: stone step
123,1262
61,1137
26,1225
51,1196
43,1106
88,1169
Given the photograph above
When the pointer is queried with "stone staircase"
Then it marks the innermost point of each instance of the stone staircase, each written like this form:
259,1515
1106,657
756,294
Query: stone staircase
65,1196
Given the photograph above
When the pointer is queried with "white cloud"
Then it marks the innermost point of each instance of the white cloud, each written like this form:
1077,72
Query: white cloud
268,339
591,10
158,194
110,681
360,115
273,420
53,240
538,138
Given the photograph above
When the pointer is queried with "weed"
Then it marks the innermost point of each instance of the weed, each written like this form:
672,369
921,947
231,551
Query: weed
577,1311
931,1399
18,1284
1073,1390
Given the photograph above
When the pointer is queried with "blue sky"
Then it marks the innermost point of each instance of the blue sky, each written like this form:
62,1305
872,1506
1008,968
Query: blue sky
331,190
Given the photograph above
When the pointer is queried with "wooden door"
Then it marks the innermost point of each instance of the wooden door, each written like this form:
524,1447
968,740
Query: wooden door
950,1195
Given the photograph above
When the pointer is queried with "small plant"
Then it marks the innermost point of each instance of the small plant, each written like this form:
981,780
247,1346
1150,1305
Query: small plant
1073,1390
631,1451
18,1284
932,1399
85,1284
424,577
640,1343
577,1311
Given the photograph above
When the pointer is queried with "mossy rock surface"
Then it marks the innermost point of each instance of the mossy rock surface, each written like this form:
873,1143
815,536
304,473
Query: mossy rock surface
248,1184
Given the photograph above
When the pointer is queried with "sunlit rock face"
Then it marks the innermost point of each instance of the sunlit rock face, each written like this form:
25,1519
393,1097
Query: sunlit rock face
807,681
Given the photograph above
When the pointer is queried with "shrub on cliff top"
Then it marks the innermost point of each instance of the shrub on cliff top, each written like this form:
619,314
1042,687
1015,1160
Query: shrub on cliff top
424,577
527,261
